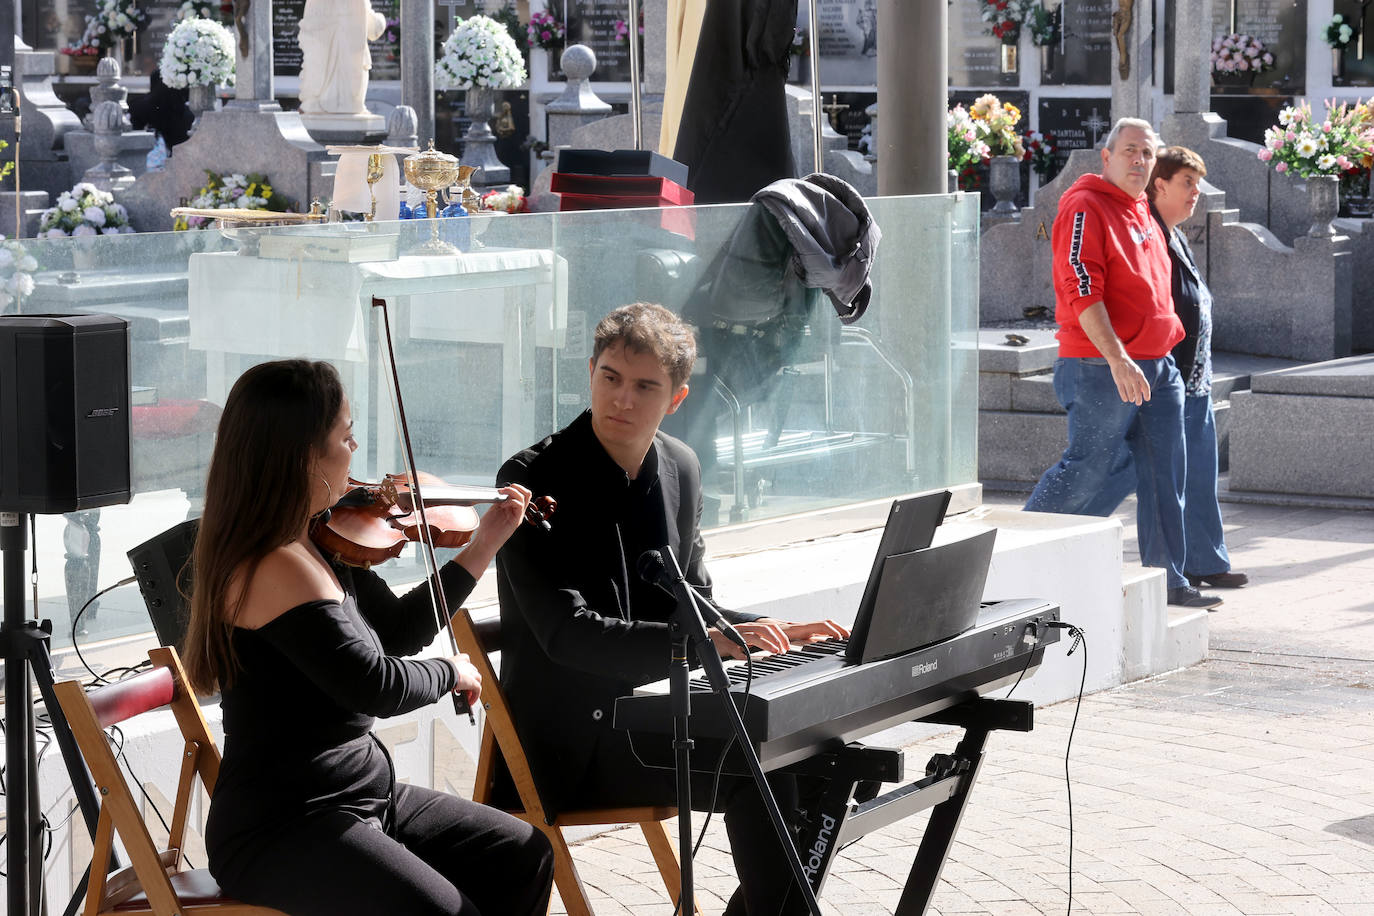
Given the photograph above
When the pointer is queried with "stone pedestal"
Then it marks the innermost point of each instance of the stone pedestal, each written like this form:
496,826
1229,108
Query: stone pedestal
1306,431
364,127
479,143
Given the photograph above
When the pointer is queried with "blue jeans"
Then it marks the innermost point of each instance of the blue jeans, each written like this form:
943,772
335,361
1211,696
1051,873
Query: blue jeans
1203,536
1085,480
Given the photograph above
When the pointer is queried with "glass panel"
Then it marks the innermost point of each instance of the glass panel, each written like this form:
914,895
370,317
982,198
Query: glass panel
789,410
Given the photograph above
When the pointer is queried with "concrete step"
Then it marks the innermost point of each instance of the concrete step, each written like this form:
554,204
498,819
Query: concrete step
1158,637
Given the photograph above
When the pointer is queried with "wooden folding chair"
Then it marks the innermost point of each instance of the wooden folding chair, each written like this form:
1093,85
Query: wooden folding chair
157,881
501,741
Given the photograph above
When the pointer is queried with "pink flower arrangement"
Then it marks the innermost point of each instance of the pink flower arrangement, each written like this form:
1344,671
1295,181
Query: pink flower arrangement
544,31
1342,142
1240,54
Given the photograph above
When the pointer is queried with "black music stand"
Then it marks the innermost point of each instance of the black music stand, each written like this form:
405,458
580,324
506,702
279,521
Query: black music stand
687,627
25,647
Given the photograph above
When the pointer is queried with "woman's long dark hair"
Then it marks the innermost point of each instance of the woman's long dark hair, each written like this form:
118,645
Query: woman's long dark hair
257,497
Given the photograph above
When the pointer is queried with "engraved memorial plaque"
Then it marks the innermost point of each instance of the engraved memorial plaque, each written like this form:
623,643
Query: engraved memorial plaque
286,53
848,40
593,23
1084,53
1281,25
1078,123
974,56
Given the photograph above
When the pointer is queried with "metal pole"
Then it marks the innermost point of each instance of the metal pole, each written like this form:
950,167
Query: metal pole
636,116
813,40
18,724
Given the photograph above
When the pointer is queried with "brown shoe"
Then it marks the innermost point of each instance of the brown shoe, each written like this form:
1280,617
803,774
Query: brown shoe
1221,580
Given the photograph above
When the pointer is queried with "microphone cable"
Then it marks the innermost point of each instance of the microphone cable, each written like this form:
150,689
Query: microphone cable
1078,639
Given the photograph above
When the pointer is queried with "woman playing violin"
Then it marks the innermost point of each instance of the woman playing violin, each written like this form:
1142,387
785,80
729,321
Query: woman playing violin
307,815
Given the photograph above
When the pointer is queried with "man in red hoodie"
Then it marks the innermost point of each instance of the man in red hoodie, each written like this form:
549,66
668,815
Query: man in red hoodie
1115,375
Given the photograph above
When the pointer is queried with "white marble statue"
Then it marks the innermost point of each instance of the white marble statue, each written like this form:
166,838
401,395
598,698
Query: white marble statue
335,59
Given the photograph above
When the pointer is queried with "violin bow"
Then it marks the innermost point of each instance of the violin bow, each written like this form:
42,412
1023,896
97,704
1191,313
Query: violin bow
436,591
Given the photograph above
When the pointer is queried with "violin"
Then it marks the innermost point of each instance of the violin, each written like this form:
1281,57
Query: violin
373,523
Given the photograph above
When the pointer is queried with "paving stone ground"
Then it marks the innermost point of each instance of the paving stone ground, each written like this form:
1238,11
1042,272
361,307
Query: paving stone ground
1243,785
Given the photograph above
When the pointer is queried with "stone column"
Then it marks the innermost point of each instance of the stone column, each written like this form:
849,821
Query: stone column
1193,57
913,68
417,64
1132,62
253,87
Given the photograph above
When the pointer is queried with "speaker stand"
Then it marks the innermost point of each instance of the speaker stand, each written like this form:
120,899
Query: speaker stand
24,644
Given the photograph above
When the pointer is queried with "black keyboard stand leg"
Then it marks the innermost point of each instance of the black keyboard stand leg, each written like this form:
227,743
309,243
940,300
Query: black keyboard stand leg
940,829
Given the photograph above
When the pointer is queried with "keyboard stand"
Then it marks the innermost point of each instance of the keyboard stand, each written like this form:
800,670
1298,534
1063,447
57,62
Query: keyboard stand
847,812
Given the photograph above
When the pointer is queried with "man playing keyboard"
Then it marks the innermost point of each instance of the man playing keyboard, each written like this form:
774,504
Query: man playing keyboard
579,628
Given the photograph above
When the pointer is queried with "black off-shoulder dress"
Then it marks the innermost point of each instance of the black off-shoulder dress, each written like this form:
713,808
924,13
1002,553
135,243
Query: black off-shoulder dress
307,815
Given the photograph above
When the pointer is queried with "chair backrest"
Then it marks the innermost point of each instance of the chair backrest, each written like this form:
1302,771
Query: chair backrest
500,740
89,714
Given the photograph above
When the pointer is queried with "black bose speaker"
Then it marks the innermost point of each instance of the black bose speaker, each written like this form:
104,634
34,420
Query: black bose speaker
162,567
64,412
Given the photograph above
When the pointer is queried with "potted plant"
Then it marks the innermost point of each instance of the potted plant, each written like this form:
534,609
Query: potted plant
1044,27
1042,154
112,22
1321,152
233,191
199,55
1237,59
1338,33
83,211
1004,19
545,30
967,150
479,57
994,127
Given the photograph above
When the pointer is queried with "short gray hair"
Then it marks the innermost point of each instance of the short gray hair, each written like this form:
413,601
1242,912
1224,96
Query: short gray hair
1124,123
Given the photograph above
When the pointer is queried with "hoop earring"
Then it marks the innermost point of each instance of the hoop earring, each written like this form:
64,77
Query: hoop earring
323,517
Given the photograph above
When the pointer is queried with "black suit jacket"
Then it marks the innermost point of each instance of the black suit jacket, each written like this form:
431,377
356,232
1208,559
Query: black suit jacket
570,643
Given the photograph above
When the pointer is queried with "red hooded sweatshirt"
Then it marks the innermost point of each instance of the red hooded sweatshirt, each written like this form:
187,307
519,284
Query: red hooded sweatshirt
1108,248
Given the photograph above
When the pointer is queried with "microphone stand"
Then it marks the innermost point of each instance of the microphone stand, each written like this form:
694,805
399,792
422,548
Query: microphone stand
688,626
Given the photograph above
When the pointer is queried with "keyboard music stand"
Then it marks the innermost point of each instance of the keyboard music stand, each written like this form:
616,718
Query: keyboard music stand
688,628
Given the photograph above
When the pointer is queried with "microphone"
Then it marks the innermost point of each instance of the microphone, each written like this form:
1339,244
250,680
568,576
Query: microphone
654,568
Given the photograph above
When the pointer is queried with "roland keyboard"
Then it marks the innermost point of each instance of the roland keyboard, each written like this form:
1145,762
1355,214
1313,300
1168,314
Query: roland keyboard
812,698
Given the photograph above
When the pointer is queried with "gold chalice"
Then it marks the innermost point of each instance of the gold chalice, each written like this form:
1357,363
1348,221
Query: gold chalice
429,171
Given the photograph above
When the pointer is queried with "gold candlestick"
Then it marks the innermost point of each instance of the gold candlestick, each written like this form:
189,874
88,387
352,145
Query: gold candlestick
429,171
374,175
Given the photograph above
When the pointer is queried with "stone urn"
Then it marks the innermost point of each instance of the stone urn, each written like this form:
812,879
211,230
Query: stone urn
202,98
1004,180
479,143
1323,201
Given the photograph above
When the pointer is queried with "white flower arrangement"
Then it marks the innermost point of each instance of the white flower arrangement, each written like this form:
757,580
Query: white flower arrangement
510,199
198,9
198,52
16,271
480,52
84,210
113,20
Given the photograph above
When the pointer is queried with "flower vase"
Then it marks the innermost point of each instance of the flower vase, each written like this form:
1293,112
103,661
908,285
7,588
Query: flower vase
1337,63
1008,58
1323,201
1004,180
202,98
1047,59
1233,81
479,143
